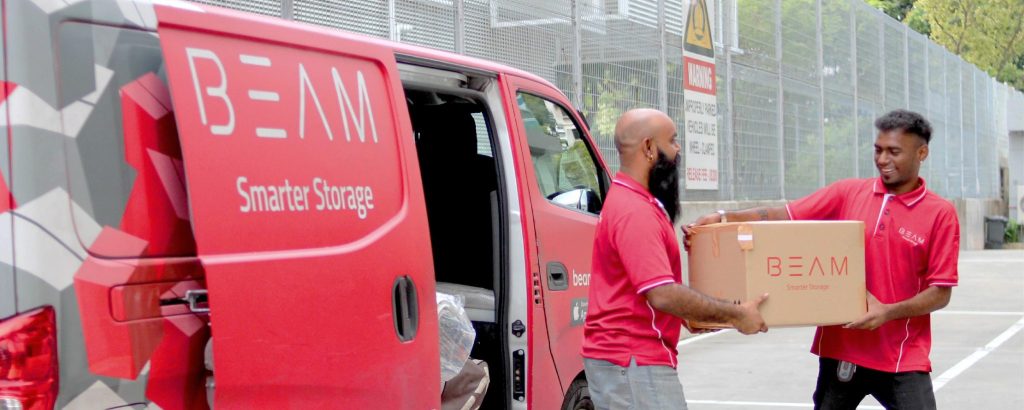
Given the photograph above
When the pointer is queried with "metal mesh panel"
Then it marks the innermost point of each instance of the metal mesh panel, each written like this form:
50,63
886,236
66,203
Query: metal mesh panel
937,115
895,65
801,114
361,16
869,65
756,144
954,143
536,37
428,23
267,7
799,40
620,71
988,171
969,137
867,111
840,136
917,86
837,52
917,67
757,28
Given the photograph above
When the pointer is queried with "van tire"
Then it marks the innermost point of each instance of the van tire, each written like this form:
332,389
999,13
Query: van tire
578,396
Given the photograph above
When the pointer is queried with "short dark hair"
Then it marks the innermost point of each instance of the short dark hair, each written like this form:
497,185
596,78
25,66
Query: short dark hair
907,121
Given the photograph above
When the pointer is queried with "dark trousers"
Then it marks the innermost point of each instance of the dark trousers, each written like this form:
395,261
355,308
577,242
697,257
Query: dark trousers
902,391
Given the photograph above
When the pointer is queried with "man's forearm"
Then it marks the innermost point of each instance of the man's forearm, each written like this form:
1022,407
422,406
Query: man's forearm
686,303
932,299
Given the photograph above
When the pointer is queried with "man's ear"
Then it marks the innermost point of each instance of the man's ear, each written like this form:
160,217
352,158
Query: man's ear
922,152
647,144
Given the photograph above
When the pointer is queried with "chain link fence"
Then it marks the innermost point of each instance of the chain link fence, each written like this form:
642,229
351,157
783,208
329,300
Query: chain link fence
800,81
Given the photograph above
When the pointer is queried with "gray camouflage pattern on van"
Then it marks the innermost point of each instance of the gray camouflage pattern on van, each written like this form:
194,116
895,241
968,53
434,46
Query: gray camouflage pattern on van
53,135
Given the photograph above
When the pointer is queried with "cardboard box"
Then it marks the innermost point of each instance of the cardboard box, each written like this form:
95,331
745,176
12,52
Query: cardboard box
813,271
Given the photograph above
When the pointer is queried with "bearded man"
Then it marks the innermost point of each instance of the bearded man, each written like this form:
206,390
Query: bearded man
637,300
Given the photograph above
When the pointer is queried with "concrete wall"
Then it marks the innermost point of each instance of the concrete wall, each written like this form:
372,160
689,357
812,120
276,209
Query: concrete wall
971,212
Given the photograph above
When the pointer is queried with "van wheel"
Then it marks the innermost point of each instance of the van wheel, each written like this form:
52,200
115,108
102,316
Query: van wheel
578,396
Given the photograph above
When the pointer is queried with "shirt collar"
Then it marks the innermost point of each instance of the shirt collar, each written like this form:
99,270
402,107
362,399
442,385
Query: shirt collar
631,184
910,198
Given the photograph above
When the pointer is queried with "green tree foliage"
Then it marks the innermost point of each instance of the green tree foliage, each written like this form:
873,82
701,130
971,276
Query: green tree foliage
986,33
897,9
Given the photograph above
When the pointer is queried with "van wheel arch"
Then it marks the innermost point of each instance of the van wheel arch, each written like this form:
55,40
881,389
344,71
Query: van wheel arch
577,397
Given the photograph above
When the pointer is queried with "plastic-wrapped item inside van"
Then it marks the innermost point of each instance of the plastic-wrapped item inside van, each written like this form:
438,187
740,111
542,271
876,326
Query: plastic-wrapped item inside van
456,333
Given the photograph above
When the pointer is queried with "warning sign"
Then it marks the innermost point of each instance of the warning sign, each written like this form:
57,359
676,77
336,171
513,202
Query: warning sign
700,100
698,30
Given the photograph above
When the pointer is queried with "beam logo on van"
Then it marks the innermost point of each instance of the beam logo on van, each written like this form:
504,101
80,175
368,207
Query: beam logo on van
358,115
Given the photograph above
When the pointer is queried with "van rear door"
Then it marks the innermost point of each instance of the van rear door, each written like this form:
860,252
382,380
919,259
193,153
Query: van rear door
307,211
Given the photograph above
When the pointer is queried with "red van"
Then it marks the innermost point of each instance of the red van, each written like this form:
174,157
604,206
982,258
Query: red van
205,207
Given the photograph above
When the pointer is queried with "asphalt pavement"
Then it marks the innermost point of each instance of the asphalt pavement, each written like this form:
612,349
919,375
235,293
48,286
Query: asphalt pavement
977,351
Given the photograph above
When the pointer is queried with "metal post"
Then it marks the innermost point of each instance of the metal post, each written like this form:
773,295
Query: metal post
781,106
662,60
460,27
577,55
821,93
288,9
960,112
856,104
393,33
945,108
906,67
881,60
927,97
975,143
727,44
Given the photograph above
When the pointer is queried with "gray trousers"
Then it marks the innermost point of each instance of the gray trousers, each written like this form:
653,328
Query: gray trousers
614,387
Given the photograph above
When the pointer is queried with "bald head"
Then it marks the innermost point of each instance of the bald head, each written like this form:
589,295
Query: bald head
637,125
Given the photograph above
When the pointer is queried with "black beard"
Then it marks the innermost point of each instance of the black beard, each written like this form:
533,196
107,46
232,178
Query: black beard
663,182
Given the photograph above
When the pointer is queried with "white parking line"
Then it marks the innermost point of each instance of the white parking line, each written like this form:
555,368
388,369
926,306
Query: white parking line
765,404
701,337
969,361
976,313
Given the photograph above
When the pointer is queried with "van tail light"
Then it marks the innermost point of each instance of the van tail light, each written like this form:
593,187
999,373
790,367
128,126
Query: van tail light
28,360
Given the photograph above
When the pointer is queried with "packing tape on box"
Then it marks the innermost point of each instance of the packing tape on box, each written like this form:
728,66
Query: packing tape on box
745,237
714,243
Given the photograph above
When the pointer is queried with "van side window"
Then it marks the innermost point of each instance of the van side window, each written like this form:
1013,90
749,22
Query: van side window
563,161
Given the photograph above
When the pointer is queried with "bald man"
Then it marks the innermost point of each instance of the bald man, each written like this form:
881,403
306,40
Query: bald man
637,300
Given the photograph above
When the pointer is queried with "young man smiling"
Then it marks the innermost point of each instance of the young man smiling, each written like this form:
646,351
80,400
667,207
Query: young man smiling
912,241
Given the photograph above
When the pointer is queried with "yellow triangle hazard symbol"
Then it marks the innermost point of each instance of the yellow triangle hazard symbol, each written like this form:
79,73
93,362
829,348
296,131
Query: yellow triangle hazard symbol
698,27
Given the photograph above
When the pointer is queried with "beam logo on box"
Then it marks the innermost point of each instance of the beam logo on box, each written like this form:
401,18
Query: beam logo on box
808,266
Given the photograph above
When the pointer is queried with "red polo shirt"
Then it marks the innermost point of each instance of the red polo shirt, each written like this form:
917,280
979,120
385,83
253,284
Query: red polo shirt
911,242
635,250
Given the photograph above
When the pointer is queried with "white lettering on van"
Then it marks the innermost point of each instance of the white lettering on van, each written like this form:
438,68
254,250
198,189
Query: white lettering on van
241,192
364,102
580,279
219,91
304,84
288,197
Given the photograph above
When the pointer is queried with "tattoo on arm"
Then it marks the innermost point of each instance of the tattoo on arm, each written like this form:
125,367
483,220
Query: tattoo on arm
763,212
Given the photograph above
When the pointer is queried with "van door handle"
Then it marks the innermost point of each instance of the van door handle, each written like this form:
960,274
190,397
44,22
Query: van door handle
405,309
558,276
